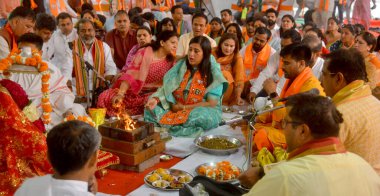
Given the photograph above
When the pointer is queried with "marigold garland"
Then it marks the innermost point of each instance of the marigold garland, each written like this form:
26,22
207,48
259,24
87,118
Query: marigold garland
85,119
34,61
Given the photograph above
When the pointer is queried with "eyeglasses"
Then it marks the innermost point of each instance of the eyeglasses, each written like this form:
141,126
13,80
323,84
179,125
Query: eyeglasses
286,122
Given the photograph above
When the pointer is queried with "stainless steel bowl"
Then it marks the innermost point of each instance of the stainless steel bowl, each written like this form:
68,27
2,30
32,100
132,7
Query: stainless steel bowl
200,139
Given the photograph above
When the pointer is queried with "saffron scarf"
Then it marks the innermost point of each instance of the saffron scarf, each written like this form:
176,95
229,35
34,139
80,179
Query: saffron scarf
98,56
196,93
295,86
355,90
13,45
253,69
54,7
325,146
180,28
175,75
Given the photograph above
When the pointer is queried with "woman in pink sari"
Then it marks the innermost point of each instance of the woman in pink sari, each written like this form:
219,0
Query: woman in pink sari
142,77
362,13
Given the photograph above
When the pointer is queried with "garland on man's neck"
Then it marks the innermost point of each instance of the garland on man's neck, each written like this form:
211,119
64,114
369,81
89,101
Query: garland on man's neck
42,67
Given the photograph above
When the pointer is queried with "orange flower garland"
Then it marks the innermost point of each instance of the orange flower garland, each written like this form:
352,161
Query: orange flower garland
43,69
85,119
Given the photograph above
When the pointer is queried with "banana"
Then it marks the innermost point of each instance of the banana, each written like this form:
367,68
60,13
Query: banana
280,154
264,157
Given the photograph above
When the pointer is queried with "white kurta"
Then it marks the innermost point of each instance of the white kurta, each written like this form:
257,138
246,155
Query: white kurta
184,40
271,71
61,98
317,68
110,66
58,51
315,175
49,186
4,48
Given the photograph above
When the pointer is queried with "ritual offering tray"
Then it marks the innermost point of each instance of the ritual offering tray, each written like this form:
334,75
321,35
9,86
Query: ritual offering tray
218,144
167,179
135,142
222,171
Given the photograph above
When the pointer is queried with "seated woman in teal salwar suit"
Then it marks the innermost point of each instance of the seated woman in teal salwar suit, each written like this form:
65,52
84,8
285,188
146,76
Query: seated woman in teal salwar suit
189,101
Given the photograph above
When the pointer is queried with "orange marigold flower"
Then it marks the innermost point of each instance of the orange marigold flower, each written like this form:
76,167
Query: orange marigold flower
44,89
18,59
47,108
44,100
31,62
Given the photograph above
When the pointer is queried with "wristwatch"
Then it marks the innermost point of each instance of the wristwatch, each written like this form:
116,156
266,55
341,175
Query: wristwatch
273,95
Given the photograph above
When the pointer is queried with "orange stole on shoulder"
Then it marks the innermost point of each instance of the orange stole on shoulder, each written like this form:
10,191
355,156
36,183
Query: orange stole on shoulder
253,69
99,64
196,93
291,89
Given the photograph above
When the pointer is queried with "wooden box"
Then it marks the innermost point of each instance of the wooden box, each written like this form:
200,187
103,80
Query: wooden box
135,159
130,147
114,130
140,167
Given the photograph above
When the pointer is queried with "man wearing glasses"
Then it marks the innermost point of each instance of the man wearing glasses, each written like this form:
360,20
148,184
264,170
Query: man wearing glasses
318,162
344,79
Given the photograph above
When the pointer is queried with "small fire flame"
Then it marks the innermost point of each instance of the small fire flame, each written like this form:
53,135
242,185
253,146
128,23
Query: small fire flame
127,122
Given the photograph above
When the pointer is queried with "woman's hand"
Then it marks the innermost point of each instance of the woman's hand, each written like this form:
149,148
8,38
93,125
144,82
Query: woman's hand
151,104
239,101
177,107
117,100
116,77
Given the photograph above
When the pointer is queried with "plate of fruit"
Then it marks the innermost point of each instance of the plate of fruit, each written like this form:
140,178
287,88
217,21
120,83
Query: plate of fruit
167,179
223,171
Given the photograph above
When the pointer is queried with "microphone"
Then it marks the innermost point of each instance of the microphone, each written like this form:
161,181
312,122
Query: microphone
90,67
249,116
313,91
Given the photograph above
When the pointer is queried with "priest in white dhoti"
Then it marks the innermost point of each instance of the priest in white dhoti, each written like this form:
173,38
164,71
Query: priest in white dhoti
60,97
96,53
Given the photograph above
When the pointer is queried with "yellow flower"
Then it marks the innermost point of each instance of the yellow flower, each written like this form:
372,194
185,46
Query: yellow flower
31,112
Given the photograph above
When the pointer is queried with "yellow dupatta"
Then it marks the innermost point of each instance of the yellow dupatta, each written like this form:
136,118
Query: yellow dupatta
355,90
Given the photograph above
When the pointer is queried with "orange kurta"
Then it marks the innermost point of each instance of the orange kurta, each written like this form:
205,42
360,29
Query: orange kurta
373,70
269,131
234,74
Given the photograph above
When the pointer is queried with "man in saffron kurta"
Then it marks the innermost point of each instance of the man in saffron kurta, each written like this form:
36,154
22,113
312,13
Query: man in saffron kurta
344,79
300,79
20,21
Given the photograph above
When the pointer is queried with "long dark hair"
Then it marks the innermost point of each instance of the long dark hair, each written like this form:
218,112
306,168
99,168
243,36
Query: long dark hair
239,35
225,37
163,36
292,19
205,66
378,44
165,21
